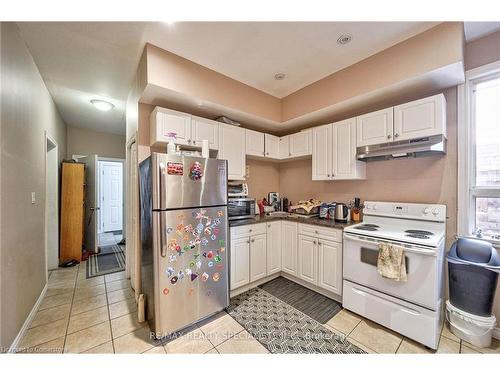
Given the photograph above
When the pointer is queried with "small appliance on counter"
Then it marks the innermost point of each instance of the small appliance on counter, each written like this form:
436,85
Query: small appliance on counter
342,213
241,208
307,208
273,200
356,209
237,189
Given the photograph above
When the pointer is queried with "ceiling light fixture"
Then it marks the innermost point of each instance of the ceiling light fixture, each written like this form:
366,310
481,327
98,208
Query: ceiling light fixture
344,39
102,105
279,76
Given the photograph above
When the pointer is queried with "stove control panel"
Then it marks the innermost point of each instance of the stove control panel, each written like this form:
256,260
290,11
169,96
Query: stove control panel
430,212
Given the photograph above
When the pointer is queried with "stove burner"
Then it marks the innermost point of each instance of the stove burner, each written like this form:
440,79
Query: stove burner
419,232
370,228
370,225
418,235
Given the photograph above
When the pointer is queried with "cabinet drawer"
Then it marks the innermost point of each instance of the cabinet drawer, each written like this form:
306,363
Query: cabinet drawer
321,232
248,230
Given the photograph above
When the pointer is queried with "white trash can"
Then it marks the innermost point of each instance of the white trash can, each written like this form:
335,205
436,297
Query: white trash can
474,329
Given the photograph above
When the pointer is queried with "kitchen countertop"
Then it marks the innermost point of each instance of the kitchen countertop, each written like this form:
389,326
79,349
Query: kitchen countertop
312,220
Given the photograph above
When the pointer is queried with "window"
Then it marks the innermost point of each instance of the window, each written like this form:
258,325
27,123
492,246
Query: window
479,164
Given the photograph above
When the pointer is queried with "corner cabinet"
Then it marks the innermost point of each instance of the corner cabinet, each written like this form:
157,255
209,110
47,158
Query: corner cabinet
334,152
420,118
232,148
300,144
272,146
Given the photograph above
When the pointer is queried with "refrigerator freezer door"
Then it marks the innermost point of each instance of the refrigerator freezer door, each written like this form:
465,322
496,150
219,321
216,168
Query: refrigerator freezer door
185,181
192,281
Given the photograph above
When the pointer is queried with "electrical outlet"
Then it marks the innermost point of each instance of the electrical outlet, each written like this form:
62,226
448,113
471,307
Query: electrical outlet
33,197
247,171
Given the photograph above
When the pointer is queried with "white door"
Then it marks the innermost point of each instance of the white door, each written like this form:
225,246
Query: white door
176,122
272,146
203,128
111,196
232,149
322,152
420,118
284,147
289,247
254,142
301,143
307,258
374,128
258,257
92,207
52,205
240,262
330,266
273,247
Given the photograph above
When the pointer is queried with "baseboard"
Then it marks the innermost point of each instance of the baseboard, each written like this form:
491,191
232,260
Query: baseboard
15,344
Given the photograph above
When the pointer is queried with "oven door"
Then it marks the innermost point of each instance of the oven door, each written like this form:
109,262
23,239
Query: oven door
422,267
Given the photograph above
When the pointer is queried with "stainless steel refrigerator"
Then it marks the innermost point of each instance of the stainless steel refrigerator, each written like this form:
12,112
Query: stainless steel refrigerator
184,229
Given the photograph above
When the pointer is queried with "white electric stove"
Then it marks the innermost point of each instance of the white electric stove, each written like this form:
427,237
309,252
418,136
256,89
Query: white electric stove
412,308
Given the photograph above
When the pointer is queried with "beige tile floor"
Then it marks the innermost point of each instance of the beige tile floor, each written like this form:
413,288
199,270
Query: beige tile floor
99,315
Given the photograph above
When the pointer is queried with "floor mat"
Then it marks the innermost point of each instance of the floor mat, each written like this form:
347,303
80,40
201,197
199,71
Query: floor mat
111,259
313,304
284,329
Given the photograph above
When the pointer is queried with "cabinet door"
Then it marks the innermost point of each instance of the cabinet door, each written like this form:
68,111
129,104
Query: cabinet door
240,262
307,258
272,146
203,128
258,257
254,143
289,247
273,247
322,152
330,266
285,147
168,121
232,149
374,128
301,143
345,164
420,118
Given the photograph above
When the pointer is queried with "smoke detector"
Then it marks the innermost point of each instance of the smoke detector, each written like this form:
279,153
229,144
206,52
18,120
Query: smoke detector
279,76
344,39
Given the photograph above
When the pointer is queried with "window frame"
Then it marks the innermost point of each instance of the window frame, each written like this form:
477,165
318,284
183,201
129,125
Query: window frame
467,190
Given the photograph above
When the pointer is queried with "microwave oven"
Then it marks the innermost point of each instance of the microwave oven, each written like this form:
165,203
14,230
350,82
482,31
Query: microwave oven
240,208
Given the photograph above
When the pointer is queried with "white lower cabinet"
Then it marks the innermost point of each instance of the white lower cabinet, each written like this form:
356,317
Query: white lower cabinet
289,247
258,257
307,254
330,266
273,247
240,258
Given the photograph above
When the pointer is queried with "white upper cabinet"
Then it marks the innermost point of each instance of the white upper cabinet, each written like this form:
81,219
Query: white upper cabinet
164,121
345,166
420,118
300,144
202,128
232,148
322,152
273,247
284,147
272,146
375,127
254,143
334,152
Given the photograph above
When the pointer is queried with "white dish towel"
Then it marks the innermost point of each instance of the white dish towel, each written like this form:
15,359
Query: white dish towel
391,262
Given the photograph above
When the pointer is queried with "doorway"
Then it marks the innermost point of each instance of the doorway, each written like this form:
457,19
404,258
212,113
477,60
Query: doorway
51,203
111,193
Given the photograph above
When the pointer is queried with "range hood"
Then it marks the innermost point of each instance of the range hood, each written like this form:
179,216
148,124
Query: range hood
425,146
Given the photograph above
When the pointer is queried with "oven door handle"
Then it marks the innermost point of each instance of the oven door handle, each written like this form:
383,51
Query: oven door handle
409,248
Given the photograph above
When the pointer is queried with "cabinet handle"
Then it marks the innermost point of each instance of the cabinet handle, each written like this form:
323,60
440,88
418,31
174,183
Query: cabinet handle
249,230
388,136
316,231
396,135
333,174
314,242
267,153
328,175
253,240
319,243
248,241
189,141
289,154
269,225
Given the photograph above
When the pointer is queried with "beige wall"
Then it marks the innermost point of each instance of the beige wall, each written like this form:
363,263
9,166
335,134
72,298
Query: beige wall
482,51
85,142
27,111
264,178
426,179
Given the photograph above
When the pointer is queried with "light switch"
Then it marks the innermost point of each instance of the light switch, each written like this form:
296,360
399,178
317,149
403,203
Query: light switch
247,171
33,197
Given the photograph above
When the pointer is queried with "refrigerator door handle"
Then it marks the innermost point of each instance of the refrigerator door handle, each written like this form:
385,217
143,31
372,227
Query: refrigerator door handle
163,234
162,183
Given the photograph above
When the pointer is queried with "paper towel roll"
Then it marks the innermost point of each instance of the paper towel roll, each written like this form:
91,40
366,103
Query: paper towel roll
205,151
